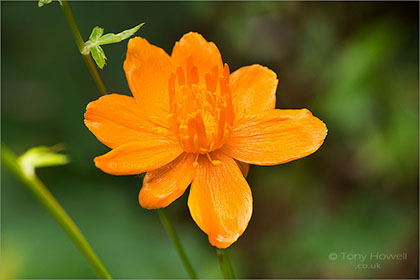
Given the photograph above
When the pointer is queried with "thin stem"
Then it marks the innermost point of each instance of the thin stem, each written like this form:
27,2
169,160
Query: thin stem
222,264
175,239
80,44
35,185
225,265
89,62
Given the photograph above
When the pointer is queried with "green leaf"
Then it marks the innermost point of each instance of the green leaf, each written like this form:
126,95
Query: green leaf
98,55
43,2
115,38
41,156
96,40
96,33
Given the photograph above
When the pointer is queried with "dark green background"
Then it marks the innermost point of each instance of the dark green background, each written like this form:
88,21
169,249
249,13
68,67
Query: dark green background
354,65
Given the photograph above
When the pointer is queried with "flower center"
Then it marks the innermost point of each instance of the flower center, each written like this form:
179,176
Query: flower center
200,112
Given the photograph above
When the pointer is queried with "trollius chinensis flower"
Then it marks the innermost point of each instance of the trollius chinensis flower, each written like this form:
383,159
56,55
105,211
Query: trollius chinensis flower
193,122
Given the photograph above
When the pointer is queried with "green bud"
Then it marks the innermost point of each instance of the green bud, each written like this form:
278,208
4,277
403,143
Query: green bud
43,2
41,156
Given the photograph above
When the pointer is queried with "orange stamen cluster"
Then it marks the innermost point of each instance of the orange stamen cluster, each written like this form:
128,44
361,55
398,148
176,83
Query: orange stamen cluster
201,112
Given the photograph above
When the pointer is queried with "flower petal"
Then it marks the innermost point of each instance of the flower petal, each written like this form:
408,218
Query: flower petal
220,200
115,120
276,136
164,185
148,69
138,157
205,55
253,89
244,167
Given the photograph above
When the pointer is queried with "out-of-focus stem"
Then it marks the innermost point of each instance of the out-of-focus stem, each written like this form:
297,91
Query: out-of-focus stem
89,62
80,44
175,239
225,265
40,191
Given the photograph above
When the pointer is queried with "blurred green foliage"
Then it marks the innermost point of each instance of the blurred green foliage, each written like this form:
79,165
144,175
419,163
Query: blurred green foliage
353,64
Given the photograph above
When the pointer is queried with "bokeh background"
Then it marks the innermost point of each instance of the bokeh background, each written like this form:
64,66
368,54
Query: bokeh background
355,65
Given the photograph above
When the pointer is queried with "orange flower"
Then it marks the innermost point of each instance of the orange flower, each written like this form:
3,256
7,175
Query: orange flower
191,121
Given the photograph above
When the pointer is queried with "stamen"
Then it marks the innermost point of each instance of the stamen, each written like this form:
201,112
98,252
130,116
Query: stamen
162,131
226,73
221,126
194,75
192,72
229,107
200,113
215,72
181,76
211,80
195,163
201,131
215,162
171,87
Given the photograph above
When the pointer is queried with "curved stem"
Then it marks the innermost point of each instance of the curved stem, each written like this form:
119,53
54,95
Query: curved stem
35,185
225,265
80,44
175,239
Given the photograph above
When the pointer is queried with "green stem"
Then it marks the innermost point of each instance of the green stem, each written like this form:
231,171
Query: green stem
175,239
89,62
80,44
222,264
225,265
35,185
